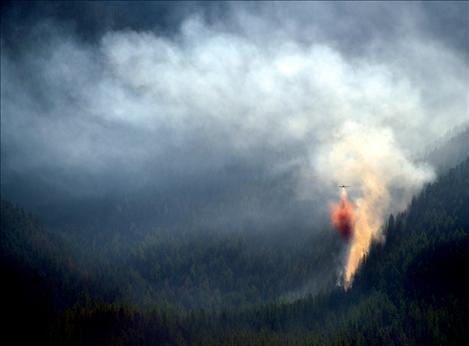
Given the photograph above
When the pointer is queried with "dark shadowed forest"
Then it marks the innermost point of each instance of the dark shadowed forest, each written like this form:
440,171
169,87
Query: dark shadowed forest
412,289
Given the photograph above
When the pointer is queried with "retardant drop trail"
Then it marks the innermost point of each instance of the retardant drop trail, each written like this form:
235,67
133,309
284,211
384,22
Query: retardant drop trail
343,216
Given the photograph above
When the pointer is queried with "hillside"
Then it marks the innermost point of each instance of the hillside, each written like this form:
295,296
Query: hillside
411,289
450,150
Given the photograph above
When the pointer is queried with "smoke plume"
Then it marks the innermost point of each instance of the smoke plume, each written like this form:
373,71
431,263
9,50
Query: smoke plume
382,177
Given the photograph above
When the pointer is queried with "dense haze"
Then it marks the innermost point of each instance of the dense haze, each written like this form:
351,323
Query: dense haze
230,115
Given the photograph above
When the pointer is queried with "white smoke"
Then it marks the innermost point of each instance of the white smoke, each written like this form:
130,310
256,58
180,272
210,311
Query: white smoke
370,160
215,87
205,96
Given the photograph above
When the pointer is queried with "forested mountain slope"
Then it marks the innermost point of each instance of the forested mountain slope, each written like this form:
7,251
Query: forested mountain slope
420,271
412,288
451,150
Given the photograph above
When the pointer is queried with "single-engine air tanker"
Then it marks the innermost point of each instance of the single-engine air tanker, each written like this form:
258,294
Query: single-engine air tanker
344,186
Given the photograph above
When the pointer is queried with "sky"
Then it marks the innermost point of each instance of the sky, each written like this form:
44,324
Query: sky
239,113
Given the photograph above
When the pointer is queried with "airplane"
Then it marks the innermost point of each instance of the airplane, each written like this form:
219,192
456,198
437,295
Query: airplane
343,186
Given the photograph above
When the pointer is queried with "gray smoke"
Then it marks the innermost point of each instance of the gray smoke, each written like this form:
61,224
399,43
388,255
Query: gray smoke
230,106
